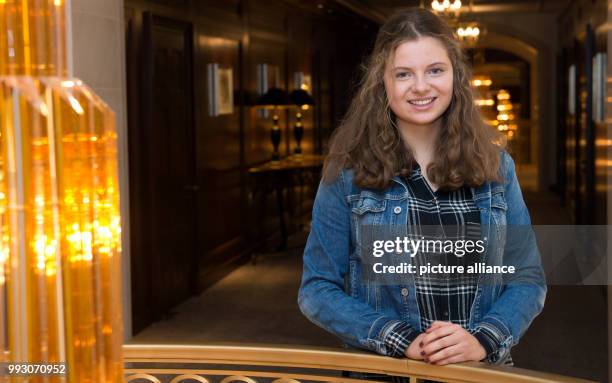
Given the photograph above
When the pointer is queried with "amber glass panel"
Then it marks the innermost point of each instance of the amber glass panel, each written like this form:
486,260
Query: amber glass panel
61,211
33,37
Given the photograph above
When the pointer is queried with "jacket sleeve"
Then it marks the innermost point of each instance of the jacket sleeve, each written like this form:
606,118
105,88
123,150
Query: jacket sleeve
523,293
322,298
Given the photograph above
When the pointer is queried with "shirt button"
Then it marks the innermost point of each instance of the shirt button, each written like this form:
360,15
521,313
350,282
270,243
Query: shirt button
404,291
397,210
445,313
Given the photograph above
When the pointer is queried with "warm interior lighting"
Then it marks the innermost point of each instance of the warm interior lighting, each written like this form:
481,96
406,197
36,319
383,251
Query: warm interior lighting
446,5
503,95
468,32
75,104
60,233
482,81
42,107
505,119
485,102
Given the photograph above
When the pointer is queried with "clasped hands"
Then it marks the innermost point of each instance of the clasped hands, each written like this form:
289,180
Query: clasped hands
443,343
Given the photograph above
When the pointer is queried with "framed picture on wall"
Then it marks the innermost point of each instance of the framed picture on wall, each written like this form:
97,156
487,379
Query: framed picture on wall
220,90
226,92
571,91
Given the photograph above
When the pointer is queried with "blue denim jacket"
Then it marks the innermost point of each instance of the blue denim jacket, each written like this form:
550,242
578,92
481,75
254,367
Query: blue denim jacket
333,295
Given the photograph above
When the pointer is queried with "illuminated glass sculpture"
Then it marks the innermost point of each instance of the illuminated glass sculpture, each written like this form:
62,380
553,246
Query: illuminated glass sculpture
60,246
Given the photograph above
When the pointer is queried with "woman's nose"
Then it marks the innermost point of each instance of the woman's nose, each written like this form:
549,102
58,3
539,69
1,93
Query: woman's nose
420,84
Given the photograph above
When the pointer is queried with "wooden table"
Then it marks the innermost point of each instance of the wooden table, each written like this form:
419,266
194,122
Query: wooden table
288,172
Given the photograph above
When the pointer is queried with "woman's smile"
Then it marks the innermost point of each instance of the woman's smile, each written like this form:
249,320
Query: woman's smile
422,103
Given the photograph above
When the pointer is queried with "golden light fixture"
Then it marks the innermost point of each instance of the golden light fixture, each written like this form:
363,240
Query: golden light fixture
485,102
469,33
503,95
505,119
481,81
60,231
446,6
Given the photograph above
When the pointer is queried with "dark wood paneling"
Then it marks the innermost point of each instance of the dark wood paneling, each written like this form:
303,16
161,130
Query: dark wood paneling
172,162
162,155
221,202
191,210
139,198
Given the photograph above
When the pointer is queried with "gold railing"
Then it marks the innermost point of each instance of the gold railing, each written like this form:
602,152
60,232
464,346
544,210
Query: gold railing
281,364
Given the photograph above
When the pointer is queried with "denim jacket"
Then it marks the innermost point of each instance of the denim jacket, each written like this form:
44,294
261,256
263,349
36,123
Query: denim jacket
333,295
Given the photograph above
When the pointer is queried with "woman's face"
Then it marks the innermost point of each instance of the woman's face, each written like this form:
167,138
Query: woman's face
419,81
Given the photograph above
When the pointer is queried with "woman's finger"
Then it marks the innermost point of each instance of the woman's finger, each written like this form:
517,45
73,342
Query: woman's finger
457,358
441,343
437,324
444,353
437,333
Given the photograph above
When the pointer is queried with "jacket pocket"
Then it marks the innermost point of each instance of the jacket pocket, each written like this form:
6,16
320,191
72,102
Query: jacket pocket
365,205
498,199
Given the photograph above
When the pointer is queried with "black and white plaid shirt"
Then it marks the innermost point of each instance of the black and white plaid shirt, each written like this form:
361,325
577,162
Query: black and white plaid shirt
447,297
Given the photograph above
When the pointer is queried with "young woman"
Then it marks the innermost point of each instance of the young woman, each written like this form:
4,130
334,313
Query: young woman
413,150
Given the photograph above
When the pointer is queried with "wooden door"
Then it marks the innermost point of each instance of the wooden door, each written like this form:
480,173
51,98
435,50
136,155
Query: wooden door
162,188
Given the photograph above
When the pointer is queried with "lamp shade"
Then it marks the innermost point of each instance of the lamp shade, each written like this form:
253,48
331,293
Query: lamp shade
300,97
273,97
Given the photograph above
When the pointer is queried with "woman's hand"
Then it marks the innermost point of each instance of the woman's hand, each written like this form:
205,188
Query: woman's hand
414,350
445,342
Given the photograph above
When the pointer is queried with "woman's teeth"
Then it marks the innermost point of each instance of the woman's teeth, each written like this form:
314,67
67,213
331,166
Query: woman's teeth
424,101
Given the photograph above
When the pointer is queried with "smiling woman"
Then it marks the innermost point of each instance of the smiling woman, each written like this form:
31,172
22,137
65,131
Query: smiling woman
414,153
415,81
419,83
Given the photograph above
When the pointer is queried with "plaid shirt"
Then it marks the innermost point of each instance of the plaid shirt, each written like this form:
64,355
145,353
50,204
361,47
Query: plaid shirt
443,297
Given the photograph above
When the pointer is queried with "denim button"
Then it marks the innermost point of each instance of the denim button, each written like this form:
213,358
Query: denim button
397,210
404,291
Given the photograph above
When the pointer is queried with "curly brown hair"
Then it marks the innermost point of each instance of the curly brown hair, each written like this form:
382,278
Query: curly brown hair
367,140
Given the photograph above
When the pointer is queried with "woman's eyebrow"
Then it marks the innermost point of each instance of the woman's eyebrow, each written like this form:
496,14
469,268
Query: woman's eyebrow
430,65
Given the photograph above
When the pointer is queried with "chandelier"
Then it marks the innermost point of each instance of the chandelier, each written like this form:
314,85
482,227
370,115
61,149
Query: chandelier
469,33
446,6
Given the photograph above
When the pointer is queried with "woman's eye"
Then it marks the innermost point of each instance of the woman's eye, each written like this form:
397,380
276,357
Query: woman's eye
436,70
402,75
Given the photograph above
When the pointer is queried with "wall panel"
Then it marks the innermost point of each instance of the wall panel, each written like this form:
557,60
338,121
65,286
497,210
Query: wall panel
193,213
